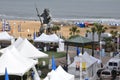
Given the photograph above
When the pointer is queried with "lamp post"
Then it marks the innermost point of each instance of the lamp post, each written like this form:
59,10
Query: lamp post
80,56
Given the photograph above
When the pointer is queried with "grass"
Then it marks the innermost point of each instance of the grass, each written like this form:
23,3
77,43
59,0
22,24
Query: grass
45,68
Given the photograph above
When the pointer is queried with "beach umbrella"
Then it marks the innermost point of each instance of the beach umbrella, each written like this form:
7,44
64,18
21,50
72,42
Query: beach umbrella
6,74
78,51
53,63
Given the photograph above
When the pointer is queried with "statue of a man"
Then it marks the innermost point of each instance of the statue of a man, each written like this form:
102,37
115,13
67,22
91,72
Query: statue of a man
46,19
46,16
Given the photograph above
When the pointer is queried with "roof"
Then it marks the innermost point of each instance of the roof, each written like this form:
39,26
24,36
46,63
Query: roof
28,50
48,38
77,40
59,74
15,64
5,36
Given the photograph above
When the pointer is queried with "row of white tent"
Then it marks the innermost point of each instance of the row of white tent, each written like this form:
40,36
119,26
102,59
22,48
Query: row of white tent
51,38
48,38
19,58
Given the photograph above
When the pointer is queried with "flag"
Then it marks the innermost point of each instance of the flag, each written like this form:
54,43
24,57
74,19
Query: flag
53,63
19,28
83,65
78,51
34,35
6,74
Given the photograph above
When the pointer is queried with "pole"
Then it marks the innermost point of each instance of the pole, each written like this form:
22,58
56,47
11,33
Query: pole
67,57
118,43
80,55
100,51
21,77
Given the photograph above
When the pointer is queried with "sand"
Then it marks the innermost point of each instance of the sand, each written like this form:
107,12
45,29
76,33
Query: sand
29,27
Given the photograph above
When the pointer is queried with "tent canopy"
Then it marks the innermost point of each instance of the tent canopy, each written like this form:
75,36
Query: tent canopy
85,58
28,50
77,41
18,42
59,74
15,64
48,38
5,36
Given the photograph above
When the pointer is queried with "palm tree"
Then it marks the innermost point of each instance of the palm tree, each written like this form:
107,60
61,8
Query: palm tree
55,28
99,29
109,44
93,30
114,36
74,30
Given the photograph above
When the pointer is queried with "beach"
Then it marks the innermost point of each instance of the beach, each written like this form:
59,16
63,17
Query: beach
28,27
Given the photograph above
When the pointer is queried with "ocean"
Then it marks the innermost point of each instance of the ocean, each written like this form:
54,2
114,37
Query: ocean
60,9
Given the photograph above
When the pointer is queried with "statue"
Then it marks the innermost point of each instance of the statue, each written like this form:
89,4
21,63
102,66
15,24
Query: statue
45,18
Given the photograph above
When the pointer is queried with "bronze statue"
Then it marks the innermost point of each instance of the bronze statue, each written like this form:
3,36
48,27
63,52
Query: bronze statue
45,18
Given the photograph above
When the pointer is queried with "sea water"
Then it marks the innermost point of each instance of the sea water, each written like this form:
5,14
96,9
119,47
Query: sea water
61,9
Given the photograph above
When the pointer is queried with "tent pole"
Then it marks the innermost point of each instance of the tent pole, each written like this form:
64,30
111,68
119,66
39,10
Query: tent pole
82,48
21,77
67,56
93,48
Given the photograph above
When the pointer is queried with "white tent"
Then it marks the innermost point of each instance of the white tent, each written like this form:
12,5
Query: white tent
15,64
18,42
28,50
98,60
90,64
51,38
15,44
5,36
59,74
85,58
42,38
53,76
67,76
48,38
17,54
